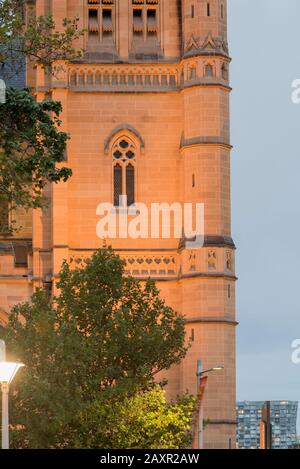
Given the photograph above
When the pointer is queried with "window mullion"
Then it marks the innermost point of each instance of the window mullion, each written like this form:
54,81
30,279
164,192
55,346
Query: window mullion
124,180
145,26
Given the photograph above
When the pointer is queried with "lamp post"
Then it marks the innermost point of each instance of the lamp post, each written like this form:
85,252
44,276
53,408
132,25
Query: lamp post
8,371
200,375
2,92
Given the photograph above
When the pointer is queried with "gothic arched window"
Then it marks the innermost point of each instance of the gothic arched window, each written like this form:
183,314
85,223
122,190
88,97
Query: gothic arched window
192,73
124,161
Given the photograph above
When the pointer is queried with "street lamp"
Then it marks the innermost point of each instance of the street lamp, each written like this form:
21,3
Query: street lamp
215,368
8,371
200,374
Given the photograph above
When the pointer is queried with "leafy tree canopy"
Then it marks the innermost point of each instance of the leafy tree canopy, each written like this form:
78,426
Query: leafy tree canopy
35,38
146,420
31,145
91,356
30,141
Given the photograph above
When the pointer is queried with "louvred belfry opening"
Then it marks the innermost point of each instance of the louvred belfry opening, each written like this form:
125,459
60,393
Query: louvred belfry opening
145,26
100,24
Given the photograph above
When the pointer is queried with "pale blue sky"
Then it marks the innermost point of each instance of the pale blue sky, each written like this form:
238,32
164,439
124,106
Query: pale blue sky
264,40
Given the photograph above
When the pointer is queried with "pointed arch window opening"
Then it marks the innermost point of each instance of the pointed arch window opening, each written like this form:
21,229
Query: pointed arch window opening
124,153
209,70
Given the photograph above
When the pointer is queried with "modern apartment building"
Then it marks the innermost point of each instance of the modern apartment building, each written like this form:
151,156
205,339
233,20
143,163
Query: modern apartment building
283,420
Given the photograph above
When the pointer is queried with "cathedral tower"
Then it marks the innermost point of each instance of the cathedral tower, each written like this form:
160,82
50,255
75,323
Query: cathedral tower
147,108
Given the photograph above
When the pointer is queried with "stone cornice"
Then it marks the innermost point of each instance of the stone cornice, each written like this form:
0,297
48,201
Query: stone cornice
217,241
208,275
221,422
202,82
170,61
196,141
211,320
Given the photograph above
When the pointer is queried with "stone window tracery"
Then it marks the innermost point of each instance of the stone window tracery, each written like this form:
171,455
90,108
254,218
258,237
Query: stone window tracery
124,161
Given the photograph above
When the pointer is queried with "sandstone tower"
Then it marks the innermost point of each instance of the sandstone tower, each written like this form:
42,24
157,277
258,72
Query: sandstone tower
147,108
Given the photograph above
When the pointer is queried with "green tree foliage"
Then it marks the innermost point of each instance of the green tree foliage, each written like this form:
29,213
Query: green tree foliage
91,356
31,145
146,420
36,38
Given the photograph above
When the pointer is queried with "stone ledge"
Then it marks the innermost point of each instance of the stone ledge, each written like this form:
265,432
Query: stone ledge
221,422
212,320
190,142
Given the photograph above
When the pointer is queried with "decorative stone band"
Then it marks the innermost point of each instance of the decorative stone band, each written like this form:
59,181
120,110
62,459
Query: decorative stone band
141,84
212,320
209,241
157,277
199,71
125,249
170,263
197,141
122,78
208,53
206,275
15,277
207,83
164,265
222,422
209,45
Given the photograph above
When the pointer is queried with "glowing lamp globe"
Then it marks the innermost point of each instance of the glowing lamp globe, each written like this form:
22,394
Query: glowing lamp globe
8,371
